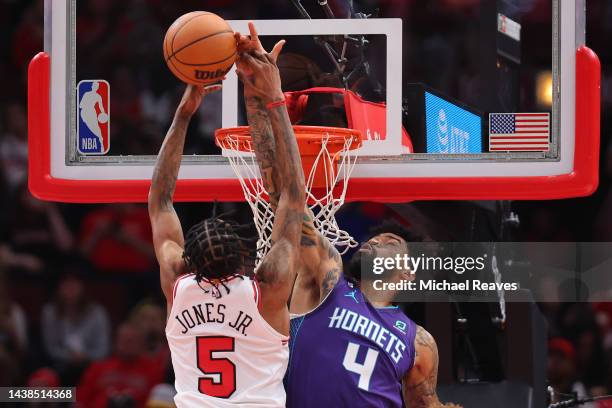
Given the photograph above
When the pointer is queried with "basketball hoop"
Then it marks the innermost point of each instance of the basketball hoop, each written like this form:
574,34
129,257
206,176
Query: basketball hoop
327,169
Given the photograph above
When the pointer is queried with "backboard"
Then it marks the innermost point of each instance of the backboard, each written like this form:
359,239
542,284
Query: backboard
489,99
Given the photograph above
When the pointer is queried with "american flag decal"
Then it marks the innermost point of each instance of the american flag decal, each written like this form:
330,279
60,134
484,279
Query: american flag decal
519,132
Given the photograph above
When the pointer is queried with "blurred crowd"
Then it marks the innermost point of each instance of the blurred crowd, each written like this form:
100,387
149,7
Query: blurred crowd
79,292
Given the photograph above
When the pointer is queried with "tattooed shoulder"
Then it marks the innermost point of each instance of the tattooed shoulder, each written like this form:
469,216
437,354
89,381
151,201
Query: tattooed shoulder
329,281
420,383
425,339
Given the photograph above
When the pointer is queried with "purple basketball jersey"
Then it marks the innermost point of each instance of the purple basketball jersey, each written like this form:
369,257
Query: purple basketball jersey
347,353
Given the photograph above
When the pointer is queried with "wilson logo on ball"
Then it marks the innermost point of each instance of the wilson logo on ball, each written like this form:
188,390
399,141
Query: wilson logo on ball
204,75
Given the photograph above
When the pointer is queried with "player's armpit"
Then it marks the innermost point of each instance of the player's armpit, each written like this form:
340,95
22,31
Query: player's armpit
419,384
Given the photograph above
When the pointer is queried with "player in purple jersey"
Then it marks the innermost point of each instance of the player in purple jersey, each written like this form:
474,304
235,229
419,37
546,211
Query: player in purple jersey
348,349
351,348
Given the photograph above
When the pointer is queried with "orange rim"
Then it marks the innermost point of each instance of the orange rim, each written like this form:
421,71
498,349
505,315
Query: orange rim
309,139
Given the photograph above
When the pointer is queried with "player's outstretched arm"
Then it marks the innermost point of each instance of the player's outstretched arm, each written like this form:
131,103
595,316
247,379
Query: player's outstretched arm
320,263
419,384
168,237
260,126
277,271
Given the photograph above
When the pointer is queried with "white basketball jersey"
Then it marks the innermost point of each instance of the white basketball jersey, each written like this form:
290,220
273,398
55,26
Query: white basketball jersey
224,353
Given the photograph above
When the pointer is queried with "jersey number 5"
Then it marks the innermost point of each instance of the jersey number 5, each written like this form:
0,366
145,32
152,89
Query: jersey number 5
223,368
364,370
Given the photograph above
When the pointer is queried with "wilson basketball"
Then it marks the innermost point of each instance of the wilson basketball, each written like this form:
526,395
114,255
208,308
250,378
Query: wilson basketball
200,48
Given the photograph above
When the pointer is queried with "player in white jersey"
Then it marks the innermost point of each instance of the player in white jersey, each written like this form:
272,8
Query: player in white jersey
228,332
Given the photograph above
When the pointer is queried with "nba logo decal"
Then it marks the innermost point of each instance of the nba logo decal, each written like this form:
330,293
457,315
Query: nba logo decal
93,117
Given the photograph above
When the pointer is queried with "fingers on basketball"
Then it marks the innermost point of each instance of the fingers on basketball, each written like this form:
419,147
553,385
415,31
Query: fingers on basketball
243,43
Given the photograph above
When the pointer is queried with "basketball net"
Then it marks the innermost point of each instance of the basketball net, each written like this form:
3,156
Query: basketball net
327,169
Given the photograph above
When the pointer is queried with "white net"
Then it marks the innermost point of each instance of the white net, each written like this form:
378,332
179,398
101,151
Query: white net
323,202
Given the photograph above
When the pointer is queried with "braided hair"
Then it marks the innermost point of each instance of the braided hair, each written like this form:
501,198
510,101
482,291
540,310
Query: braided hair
215,251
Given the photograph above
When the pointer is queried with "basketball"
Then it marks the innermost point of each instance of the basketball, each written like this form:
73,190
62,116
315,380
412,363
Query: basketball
199,48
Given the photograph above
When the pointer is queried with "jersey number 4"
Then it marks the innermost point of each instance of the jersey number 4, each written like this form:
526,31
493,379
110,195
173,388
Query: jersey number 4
365,369
223,368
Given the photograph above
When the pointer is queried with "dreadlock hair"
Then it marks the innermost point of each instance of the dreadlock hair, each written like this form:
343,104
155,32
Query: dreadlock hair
215,251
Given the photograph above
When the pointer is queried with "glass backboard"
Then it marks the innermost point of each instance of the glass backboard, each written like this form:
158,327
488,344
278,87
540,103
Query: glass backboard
484,99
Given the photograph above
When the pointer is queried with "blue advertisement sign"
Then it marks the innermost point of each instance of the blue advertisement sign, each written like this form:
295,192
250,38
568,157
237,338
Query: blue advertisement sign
451,129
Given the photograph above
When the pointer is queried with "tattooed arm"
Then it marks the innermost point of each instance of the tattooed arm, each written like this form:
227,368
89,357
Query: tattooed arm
263,145
320,263
281,169
258,117
278,269
419,385
167,232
